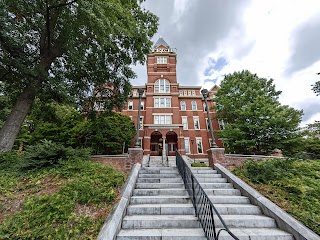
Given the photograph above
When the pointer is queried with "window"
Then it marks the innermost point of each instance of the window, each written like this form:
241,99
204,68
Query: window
183,105
140,142
141,123
185,123
199,145
186,145
196,123
193,105
221,124
193,92
162,119
207,123
130,105
181,92
134,92
189,92
162,60
162,102
185,92
142,106
162,86
204,107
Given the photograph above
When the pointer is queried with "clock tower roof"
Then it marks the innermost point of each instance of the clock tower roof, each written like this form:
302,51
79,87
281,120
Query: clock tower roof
161,42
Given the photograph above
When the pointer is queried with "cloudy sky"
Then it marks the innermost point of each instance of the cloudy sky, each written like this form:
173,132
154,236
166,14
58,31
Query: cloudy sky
275,39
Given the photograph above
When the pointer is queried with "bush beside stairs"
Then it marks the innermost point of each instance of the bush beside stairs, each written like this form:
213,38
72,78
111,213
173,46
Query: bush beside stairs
160,208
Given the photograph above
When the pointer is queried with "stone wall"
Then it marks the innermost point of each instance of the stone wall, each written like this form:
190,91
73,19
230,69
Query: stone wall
217,155
123,162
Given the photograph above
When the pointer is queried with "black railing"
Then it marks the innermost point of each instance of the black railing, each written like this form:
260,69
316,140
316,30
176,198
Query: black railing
204,208
148,165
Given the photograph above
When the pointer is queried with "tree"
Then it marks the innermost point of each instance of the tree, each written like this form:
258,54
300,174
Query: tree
255,120
64,48
316,87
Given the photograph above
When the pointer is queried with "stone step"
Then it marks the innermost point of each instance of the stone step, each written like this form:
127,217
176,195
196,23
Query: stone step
214,175
237,209
162,234
159,199
203,171
157,192
211,180
256,234
227,192
158,185
246,221
160,221
229,199
161,209
216,185
155,175
159,180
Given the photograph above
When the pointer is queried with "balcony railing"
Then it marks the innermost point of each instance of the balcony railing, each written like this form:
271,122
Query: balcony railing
204,208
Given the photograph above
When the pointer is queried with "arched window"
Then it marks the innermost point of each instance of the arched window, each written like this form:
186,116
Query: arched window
183,105
193,105
162,86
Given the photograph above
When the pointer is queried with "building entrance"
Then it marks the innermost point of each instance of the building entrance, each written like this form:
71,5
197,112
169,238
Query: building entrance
172,143
156,144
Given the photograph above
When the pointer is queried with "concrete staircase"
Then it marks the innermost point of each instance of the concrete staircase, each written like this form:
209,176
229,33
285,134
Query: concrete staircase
160,208
243,219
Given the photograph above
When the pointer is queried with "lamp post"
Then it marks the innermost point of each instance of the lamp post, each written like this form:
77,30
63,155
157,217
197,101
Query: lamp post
205,95
137,145
192,151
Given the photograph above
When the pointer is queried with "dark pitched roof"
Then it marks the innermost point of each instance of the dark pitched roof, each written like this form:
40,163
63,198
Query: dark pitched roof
160,42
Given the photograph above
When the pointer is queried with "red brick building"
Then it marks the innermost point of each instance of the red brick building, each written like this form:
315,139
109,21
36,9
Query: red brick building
172,116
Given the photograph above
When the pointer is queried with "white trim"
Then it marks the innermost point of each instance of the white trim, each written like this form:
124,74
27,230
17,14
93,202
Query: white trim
187,138
199,138
186,119
162,113
194,123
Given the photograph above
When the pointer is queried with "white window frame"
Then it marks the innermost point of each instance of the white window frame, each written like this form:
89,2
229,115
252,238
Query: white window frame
141,123
130,105
180,92
187,145
221,123
184,122
158,86
162,119
204,107
194,106
184,104
196,119
162,60
207,123
199,140
142,105
193,92
166,102
140,141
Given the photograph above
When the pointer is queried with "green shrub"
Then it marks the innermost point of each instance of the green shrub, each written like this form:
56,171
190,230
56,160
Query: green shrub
200,164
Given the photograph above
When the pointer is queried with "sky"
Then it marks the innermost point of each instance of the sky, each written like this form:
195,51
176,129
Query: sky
274,39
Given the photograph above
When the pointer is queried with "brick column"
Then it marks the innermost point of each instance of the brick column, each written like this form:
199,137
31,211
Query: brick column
215,155
135,156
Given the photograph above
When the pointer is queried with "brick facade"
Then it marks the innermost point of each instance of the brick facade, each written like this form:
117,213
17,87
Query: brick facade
162,131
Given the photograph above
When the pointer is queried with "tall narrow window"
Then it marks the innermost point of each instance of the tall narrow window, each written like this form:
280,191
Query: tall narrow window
162,86
142,106
130,105
193,92
185,123
141,123
186,145
193,105
196,123
221,124
183,105
207,123
204,107
199,145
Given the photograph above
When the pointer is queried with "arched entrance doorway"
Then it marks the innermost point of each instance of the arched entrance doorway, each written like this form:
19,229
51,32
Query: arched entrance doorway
171,143
156,144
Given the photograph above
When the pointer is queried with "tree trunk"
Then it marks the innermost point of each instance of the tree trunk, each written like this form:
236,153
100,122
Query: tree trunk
12,126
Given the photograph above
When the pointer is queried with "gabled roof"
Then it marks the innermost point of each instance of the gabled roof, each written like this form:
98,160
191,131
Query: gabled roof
161,42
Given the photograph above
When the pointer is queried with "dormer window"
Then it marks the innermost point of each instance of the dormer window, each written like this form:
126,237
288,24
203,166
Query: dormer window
162,60
162,86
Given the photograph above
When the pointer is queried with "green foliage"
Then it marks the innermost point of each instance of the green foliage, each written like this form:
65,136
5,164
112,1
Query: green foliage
255,120
198,164
294,181
316,87
54,215
48,153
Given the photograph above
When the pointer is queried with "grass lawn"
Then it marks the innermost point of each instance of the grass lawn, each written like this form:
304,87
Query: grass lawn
69,200
294,185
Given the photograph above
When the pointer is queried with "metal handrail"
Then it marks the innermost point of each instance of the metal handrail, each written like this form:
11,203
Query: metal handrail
203,206
148,165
